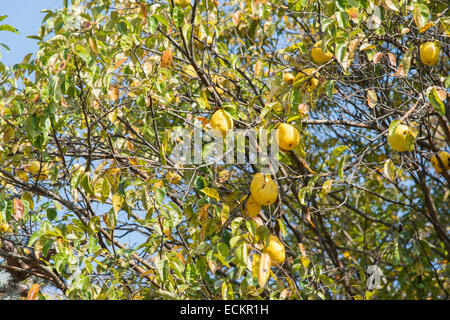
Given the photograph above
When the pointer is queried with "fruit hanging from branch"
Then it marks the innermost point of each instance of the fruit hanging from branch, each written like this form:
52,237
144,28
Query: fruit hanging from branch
288,136
318,55
445,159
263,189
429,53
275,250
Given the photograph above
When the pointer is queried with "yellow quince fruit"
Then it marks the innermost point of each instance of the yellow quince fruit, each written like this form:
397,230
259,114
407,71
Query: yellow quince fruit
318,55
397,140
275,250
288,136
252,208
220,121
445,158
429,53
263,189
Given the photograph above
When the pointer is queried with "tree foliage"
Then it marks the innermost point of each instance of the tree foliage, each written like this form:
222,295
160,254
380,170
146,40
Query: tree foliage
85,127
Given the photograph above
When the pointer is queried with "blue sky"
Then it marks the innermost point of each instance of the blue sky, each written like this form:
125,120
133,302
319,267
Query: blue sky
26,16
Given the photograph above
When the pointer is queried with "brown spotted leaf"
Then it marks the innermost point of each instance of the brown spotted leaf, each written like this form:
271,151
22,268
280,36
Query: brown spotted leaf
19,209
392,59
166,58
377,57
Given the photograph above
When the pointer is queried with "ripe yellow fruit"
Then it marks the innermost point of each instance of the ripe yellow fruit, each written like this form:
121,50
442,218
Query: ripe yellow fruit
397,140
221,121
263,189
252,208
288,136
173,177
311,83
429,53
445,158
275,250
182,3
4,227
318,55
288,78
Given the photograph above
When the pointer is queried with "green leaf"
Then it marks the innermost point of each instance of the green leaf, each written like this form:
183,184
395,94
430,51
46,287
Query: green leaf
5,46
241,253
341,167
94,224
178,16
406,60
152,24
301,195
326,24
326,187
329,86
122,27
86,184
161,20
341,49
51,214
436,102
421,14
336,153
7,27
447,82
106,189
282,226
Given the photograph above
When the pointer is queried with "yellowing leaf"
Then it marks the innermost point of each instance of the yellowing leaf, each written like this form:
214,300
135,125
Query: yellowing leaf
427,26
236,17
405,30
302,249
33,292
120,59
93,44
211,192
263,269
33,167
8,134
421,14
303,161
258,69
308,218
371,98
203,215
352,12
326,187
224,175
389,169
117,201
390,5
